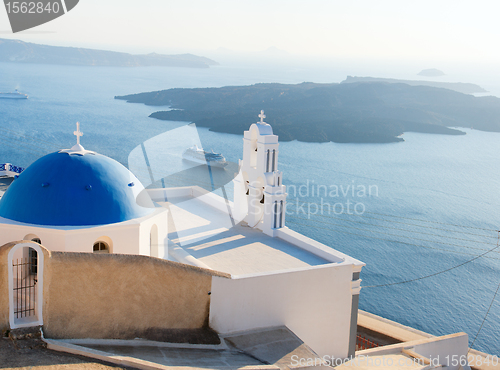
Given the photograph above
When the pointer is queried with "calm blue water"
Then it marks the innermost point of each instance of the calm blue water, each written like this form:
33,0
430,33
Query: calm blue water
430,203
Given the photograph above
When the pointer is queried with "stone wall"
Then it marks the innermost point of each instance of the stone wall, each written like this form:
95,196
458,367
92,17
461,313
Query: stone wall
122,296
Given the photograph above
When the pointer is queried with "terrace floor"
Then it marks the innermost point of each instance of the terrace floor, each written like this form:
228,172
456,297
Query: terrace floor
208,234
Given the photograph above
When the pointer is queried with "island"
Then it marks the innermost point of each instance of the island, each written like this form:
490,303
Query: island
466,88
17,51
361,112
431,72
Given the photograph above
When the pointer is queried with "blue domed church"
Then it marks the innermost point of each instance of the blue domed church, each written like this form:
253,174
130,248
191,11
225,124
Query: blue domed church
76,200
226,271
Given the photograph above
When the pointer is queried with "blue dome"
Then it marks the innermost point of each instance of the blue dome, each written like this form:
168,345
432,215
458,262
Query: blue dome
60,189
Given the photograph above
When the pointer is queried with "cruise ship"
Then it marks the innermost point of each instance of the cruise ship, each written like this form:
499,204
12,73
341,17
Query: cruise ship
13,95
198,155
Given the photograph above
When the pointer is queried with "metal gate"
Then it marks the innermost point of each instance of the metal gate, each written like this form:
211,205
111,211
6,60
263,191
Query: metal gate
24,289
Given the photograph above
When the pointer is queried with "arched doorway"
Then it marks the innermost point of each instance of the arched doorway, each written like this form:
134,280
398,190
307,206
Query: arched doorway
25,276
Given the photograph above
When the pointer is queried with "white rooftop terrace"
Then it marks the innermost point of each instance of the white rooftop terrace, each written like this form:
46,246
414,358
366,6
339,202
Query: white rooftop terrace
202,232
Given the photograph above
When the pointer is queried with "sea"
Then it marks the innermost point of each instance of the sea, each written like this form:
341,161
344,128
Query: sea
423,214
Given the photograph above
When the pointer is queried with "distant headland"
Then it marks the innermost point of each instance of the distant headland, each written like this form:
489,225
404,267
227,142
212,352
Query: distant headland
16,51
355,112
466,88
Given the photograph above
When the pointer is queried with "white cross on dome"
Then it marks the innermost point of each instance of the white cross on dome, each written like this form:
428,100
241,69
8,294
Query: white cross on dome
78,133
262,116
77,148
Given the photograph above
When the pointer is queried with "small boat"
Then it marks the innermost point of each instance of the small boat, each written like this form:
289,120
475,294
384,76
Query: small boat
13,95
198,155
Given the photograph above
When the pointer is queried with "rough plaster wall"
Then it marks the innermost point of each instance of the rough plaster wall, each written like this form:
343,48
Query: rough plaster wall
120,296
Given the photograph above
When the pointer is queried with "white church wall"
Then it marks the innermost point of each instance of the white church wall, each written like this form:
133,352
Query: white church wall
11,231
131,237
240,197
163,235
124,239
314,303
160,236
55,239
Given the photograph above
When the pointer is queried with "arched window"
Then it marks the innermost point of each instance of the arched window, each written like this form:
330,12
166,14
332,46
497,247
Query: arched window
33,237
101,247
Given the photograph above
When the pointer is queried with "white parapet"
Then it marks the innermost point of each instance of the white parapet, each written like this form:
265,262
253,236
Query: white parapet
447,352
315,303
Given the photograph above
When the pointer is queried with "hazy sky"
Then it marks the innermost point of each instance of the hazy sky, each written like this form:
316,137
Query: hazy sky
395,29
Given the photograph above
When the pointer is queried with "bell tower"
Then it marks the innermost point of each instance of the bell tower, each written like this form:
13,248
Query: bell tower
259,194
